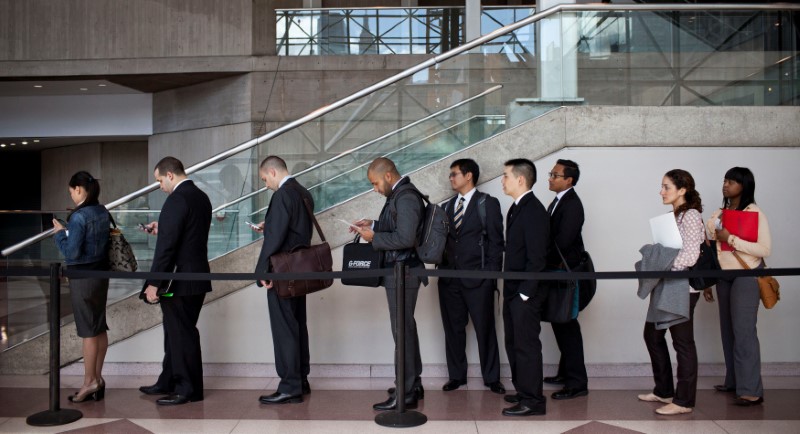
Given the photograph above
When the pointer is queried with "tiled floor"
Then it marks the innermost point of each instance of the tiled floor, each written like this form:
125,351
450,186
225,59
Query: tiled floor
339,405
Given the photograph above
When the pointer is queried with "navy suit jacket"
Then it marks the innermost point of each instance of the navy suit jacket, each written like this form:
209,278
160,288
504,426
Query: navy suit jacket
463,250
287,224
182,244
527,238
566,225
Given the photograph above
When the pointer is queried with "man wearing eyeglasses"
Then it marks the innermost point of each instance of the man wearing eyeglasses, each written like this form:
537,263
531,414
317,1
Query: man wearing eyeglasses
566,224
474,242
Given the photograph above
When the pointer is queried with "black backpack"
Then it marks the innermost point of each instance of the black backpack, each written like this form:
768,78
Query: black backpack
432,236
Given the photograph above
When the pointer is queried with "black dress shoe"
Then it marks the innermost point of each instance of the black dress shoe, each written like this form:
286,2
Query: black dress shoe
554,380
724,388
748,403
154,390
177,400
453,385
569,393
497,387
391,403
521,410
306,387
280,398
419,390
511,399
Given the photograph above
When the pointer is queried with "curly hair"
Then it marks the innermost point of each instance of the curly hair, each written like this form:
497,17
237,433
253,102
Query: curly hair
683,179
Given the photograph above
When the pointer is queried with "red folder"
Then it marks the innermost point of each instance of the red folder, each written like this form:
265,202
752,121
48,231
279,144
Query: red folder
743,224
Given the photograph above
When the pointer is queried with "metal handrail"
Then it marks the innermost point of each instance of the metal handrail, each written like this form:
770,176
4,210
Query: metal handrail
364,145
424,65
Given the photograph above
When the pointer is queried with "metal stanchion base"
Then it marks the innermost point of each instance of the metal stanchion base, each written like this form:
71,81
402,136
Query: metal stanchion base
54,418
407,419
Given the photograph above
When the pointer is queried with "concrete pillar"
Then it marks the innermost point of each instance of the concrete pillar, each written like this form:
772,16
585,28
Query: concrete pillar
556,51
472,20
312,4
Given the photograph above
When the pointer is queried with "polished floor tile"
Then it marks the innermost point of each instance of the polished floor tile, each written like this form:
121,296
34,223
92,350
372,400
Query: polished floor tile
668,426
118,426
760,426
170,426
18,425
526,426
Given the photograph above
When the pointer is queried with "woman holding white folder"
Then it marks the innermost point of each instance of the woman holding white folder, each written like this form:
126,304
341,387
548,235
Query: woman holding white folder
739,297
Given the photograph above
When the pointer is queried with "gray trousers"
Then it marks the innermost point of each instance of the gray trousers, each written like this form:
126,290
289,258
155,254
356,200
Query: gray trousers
738,313
413,360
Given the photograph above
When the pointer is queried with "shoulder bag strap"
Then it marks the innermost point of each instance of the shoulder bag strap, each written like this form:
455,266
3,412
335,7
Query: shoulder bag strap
563,261
738,258
310,211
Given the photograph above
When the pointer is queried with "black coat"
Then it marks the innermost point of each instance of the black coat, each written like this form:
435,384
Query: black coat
182,244
287,224
463,250
566,225
527,238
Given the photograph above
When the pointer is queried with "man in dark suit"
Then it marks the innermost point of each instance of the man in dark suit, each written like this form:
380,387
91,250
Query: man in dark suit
473,243
182,246
527,232
286,226
566,223
395,233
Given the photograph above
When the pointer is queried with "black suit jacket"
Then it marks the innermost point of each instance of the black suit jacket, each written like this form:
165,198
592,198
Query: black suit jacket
463,250
182,244
287,224
566,225
527,238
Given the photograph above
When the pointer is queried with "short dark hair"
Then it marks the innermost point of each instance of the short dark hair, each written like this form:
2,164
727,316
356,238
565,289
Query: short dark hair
743,176
525,168
468,165
274,162
571,170
170,164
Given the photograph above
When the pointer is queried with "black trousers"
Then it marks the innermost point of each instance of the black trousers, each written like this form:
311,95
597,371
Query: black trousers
522,326
182,368
683,342
571,365
287,317
458,305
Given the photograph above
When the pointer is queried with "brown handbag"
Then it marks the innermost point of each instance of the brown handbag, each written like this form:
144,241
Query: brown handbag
768,287
302,259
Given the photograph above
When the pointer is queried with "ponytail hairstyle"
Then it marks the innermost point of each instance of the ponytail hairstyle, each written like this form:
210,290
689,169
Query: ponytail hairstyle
682,179
90,184
743,176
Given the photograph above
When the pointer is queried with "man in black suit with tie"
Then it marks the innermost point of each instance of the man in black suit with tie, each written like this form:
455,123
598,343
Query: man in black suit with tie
527,235
182,246
286,226
395,233
566,223
474,242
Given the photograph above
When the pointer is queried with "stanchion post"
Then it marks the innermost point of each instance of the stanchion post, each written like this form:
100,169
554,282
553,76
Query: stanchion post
55,415
400,418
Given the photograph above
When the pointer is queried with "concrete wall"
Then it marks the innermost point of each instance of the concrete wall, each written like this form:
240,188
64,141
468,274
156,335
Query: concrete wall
121,168
619,187
106,29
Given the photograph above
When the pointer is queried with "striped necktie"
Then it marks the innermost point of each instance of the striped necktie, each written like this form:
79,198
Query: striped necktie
459,216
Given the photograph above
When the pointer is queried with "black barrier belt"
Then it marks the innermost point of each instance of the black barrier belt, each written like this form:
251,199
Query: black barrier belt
416,272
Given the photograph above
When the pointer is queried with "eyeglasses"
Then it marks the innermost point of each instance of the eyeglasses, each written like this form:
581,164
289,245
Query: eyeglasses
453,174
555,175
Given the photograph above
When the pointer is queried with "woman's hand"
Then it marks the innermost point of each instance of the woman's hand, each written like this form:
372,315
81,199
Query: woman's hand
723,234
57,226
708,294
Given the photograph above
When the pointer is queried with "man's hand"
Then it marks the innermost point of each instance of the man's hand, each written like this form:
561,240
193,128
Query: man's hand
366,233
259,228
363,223
266,283
151,228
150,294
57,226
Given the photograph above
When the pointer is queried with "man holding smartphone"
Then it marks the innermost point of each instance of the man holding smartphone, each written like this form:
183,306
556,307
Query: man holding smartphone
182,246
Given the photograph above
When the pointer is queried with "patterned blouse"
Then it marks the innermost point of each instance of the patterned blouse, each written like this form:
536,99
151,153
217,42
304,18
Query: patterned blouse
690,225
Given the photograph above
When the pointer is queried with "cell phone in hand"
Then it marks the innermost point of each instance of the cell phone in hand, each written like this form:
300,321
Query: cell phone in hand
145,228
252,225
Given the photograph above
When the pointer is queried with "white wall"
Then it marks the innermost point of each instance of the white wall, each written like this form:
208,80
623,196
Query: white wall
619,188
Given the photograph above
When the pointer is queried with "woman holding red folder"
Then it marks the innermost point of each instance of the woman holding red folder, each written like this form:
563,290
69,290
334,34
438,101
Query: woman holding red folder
749,239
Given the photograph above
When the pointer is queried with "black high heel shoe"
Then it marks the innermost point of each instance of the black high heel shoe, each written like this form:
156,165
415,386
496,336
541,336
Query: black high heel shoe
97,394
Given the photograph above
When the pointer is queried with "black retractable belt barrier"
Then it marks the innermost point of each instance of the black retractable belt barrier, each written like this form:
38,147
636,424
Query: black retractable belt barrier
400,418
55,415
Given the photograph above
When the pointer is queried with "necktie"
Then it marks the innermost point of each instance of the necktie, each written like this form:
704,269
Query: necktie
552,205
511,212
459,215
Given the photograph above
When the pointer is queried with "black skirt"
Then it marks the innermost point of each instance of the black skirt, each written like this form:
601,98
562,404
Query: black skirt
89,297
